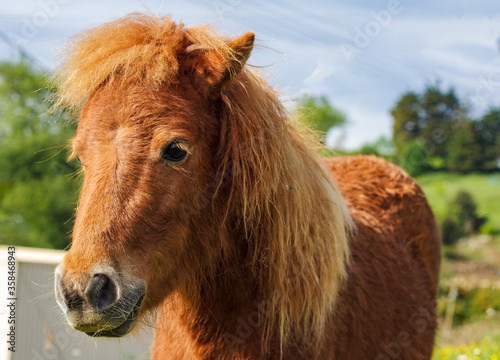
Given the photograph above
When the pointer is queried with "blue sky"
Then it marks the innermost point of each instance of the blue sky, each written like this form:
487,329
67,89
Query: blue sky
362,54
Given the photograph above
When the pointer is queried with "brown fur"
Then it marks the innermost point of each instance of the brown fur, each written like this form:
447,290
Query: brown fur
247,248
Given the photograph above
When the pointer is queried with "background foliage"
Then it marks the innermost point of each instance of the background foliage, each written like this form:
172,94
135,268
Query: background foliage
37,194
433,131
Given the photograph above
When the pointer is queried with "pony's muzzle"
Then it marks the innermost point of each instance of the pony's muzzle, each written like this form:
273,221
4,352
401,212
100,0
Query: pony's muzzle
99,304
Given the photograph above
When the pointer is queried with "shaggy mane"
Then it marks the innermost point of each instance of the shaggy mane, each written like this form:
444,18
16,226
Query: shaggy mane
137,48
295,219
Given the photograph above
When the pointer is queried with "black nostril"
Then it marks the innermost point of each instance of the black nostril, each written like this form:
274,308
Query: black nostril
101,292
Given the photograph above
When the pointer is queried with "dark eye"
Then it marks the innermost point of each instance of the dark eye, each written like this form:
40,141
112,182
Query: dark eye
175,152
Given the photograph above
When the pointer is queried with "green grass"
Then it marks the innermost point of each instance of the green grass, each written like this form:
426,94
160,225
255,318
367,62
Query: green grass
441,188
486,349
475,334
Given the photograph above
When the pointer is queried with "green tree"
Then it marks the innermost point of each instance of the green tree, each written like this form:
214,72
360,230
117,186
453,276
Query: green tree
464,150
487,131
414,158
37,194
432,118
451,231
462,219
318,114
441,115
406,127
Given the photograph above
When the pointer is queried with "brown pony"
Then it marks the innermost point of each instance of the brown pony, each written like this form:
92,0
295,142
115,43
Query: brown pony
203,200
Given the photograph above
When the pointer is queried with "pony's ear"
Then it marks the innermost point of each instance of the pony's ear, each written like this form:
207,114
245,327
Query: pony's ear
216,69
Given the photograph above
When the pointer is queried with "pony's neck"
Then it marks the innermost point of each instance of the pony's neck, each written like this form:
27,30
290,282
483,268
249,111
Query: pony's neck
219,314
227,320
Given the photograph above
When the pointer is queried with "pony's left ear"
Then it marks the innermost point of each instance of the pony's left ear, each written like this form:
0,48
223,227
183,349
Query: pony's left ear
216,69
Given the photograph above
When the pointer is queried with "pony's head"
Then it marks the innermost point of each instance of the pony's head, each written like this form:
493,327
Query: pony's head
190,163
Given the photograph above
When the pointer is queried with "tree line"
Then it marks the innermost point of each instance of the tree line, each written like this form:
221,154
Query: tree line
433,131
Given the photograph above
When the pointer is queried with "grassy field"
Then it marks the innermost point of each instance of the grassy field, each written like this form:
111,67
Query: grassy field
472,268
441,188
486,349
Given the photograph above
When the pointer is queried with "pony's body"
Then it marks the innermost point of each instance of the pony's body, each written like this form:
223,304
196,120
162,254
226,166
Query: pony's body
384,310
202,199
